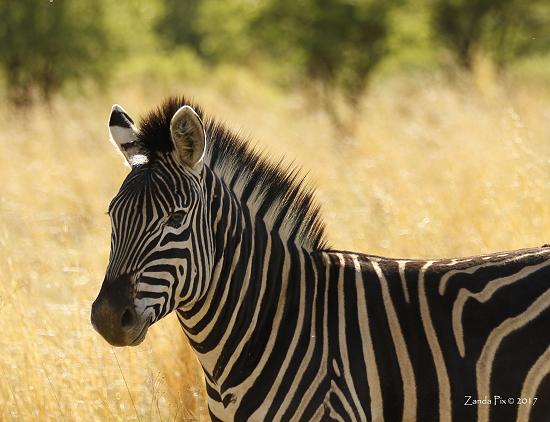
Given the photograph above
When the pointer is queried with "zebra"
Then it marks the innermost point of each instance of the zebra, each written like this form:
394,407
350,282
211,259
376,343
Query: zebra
286,327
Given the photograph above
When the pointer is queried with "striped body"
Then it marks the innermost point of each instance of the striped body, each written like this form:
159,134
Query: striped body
290,334
286,328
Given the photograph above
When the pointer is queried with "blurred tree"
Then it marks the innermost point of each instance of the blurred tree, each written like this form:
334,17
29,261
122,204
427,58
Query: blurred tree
217,30
44,43
177,24
504,29
337,43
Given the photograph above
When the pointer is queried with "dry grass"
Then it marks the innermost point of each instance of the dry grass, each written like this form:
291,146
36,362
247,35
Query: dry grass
432,170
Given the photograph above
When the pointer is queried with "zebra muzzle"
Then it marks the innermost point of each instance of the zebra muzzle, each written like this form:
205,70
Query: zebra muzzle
114,315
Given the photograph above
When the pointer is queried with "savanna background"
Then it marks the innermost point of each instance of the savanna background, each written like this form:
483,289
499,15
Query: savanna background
424,124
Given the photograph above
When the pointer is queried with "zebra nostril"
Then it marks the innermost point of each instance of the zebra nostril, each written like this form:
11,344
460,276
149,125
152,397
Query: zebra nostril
128,318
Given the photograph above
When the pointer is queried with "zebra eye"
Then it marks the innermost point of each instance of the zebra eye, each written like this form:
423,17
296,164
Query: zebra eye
175,219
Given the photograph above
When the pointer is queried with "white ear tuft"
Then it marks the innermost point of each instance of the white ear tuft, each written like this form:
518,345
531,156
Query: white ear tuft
123,134
188,136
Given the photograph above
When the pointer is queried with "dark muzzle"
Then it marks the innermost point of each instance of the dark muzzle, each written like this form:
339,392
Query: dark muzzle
113,312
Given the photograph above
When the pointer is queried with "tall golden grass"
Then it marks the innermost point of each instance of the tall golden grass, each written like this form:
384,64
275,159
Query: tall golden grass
433,169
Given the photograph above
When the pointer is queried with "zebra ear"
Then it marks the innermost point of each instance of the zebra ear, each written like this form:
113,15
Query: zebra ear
188,136
123,134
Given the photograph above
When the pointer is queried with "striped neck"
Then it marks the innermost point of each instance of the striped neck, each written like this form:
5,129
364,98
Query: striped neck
251,263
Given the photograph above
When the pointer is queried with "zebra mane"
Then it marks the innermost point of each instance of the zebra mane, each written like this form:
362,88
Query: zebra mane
277,190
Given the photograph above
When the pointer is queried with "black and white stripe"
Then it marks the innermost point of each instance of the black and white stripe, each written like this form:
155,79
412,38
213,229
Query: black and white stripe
286,328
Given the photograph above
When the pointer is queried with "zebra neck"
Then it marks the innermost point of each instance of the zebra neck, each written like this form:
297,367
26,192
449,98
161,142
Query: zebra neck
242,308
253,269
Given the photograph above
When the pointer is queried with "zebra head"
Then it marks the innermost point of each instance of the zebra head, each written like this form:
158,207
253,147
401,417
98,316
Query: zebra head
160,242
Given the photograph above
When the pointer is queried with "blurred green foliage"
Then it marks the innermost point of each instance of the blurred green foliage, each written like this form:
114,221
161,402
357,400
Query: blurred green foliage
45,44
338,43
218,31
335,44
503,29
